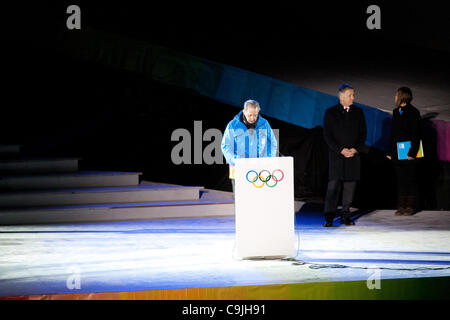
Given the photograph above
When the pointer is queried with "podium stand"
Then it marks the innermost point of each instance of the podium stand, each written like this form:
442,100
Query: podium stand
264,202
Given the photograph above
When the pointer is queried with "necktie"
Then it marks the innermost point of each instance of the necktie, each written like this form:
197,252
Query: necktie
346,108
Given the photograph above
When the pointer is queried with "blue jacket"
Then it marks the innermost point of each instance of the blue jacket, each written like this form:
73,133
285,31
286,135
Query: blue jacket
240,142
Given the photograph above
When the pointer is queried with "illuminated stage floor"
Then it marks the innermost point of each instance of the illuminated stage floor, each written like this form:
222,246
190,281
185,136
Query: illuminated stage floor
198,252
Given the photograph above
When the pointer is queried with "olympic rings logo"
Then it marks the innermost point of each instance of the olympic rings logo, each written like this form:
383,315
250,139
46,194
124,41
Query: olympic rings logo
264,176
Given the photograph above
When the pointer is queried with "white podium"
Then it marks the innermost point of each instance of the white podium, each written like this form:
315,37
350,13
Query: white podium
264,202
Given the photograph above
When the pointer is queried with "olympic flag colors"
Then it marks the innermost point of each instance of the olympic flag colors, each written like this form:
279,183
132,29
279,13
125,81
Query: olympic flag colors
264,178
264,201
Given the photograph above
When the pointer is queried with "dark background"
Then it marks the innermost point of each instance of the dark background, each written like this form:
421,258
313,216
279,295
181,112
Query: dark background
115,120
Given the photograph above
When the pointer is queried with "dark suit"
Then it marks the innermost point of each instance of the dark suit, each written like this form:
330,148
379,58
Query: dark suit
341,130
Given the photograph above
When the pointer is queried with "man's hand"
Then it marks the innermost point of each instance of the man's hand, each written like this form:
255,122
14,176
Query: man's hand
349,153
353,151
389,157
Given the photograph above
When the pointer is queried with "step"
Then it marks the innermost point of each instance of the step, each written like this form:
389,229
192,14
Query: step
39,165
80,179
141,193
118,212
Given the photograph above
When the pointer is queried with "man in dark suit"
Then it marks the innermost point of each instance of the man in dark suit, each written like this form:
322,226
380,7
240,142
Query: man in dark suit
345,132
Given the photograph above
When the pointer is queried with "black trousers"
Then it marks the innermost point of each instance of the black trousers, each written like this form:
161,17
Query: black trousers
407,184
332,198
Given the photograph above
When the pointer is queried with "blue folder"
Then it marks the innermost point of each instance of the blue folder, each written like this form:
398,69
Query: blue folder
403,149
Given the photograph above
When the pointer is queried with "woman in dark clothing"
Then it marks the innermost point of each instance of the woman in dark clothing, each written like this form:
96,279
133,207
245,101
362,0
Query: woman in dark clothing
405,127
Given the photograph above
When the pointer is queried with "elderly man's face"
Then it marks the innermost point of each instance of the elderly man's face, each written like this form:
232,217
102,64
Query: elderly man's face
347,97
251,114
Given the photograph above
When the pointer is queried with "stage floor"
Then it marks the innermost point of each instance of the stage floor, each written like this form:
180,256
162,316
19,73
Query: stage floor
198,252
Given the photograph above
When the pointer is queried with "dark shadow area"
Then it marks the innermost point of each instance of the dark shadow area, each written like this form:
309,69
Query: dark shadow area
311,215
377,187
433,175
359,213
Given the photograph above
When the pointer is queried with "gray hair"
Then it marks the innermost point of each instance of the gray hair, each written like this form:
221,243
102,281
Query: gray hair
254,103
344,87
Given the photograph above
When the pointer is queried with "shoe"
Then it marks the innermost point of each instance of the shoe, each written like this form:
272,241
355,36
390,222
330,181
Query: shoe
401,204
345,219
410,204
408,212
328,224
329,217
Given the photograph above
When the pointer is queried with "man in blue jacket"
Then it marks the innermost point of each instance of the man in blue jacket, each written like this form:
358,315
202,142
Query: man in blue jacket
248,135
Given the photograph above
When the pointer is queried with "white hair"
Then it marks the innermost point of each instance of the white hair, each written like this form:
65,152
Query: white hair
254,103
